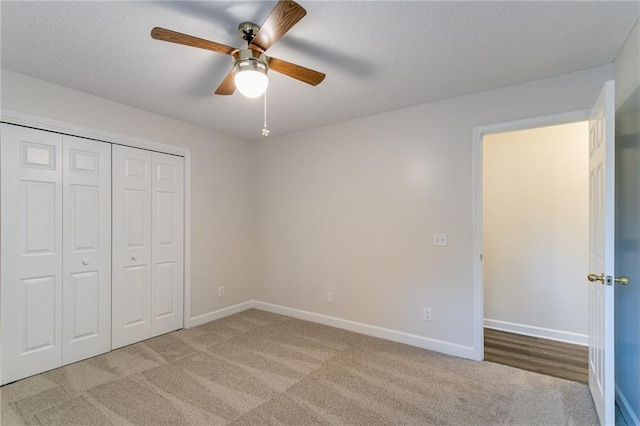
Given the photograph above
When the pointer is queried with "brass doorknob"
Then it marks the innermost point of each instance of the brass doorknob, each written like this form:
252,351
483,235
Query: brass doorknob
620,280
595,277
623,280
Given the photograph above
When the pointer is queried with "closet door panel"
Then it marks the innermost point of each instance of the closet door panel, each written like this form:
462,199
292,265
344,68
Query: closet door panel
31,251
87,248
131,284
167,243
38,212
82,298
136,296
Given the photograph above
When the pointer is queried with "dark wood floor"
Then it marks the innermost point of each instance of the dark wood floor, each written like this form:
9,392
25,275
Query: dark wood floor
543,356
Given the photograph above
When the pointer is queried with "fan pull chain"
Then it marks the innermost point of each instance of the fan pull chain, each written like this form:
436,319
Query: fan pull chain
265,131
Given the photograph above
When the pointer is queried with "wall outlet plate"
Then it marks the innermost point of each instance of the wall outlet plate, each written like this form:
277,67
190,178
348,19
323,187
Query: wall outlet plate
427,314
440,239
329,297
221,291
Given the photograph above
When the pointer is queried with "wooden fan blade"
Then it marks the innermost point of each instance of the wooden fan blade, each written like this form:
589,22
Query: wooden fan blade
179,38
227,87
298,72
282,18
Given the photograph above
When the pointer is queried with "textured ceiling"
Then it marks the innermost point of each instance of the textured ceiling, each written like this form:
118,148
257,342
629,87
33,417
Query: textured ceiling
378,56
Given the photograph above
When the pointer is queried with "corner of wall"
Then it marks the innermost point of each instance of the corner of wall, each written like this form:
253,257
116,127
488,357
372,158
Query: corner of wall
626,66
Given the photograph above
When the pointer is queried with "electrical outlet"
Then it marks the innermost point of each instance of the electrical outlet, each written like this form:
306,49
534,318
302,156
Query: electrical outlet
427,314
329,297
440,239
221,291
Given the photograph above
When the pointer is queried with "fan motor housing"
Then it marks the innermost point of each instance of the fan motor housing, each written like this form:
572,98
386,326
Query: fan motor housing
250,59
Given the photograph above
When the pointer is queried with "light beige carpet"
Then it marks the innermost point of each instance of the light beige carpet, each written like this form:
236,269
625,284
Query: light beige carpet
257,368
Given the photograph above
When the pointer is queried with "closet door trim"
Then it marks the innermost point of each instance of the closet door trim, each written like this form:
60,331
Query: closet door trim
41,123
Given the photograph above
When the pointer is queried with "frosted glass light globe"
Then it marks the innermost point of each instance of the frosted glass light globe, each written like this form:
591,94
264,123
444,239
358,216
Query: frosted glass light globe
251,83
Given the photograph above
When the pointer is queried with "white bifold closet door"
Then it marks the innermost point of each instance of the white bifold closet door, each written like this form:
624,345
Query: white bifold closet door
55,292
167,243
86,193
148,247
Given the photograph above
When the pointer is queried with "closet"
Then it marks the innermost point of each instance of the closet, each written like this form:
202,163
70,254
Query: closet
91,248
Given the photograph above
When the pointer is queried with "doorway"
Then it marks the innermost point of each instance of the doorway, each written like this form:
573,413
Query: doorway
541,242
535,228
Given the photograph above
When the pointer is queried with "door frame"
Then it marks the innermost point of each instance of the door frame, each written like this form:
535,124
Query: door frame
28,120
477,213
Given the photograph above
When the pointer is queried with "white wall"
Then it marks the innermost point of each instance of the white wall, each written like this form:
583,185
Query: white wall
351,208
536,231
627,322
221,180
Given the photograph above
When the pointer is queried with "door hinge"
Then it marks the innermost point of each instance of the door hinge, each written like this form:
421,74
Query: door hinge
609,280
480,258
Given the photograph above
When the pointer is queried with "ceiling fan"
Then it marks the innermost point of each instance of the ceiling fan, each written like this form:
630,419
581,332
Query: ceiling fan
249,73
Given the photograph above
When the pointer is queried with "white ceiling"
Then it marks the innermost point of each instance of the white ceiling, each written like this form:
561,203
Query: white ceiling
378,56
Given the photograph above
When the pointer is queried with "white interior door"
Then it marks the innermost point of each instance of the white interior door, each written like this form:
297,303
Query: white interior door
87,248
601,254
131,239
31,291
167,243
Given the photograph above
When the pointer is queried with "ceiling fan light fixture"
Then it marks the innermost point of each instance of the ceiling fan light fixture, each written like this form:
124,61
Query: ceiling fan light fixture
251,73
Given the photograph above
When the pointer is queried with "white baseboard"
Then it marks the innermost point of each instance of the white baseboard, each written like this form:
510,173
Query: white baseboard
545,333
627,411
220,313
372,330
